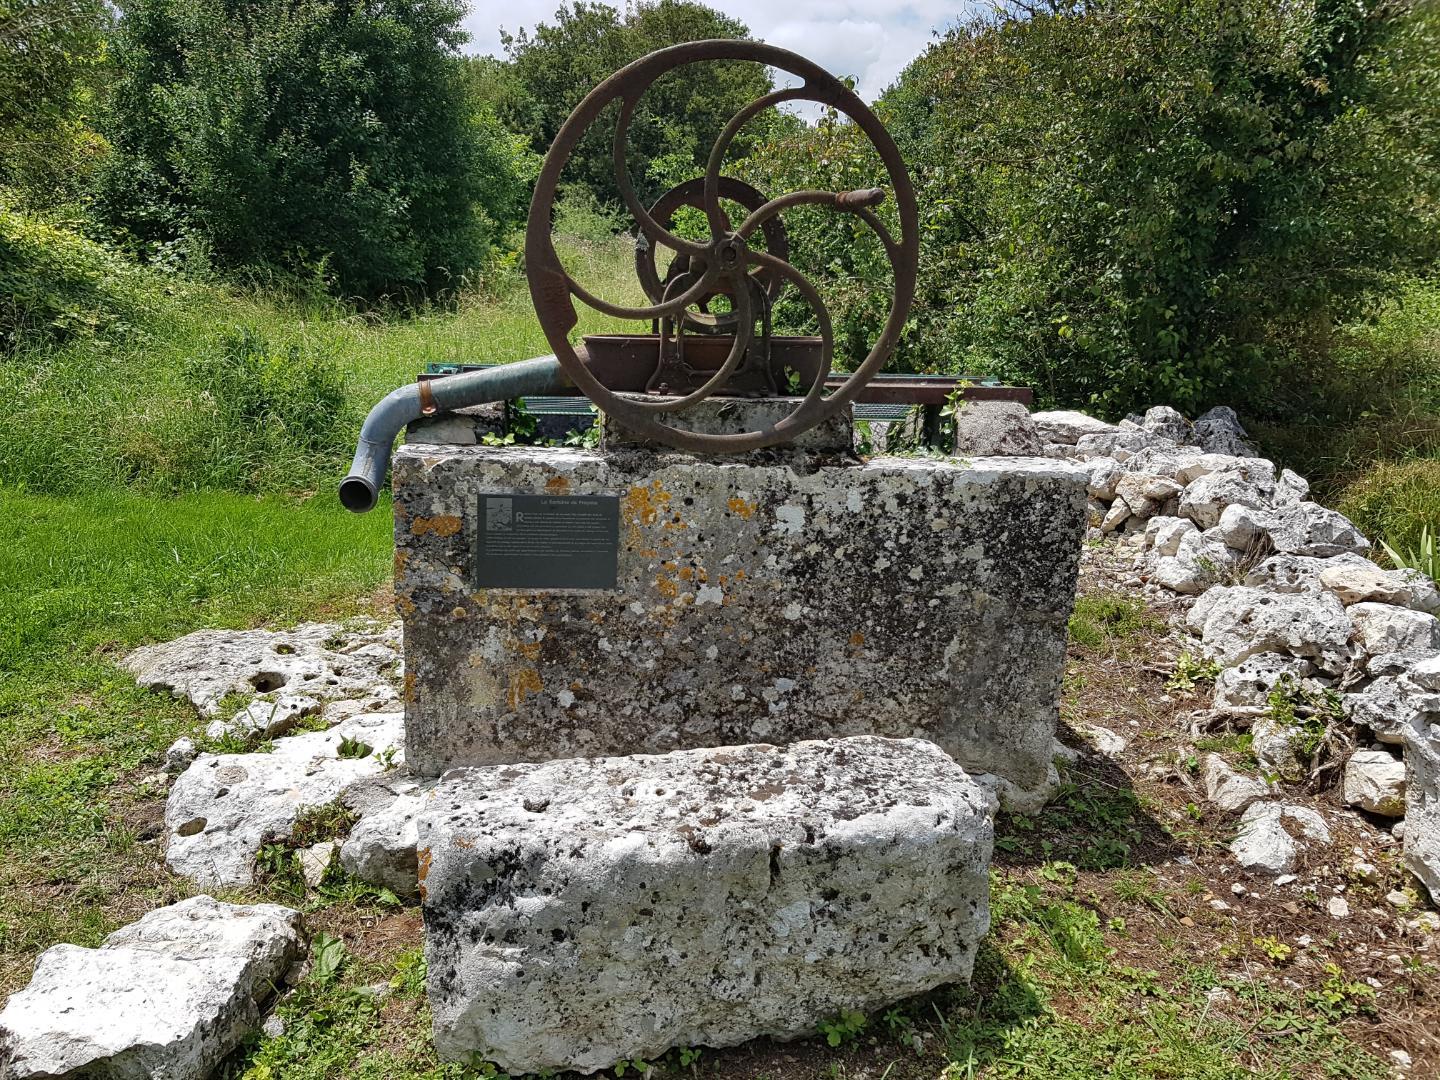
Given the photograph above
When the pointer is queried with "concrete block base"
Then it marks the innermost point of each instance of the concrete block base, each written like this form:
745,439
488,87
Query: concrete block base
756,601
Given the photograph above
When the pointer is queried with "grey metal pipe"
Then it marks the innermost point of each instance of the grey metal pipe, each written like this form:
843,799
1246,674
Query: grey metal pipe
360,489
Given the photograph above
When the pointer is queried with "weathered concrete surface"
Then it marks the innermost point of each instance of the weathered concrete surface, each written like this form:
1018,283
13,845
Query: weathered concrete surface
586,911
726,416
207,665
757,603
165,998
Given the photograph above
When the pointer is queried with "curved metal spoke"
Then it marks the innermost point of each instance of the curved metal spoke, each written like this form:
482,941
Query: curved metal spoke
745,330
648,225
719,220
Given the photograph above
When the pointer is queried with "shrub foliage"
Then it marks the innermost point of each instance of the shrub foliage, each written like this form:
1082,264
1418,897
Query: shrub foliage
311,137
1132,201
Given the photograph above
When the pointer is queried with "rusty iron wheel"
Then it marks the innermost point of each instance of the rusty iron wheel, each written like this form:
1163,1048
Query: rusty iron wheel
727,255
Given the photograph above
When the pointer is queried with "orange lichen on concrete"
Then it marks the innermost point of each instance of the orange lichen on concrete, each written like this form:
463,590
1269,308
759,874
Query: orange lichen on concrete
557,485
523,683
529,649
667,587
410,693
687,573
401,558
741,507
405,606
857,639
442,525
643,505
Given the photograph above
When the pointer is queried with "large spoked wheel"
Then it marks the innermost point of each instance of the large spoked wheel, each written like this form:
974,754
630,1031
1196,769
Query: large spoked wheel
726,258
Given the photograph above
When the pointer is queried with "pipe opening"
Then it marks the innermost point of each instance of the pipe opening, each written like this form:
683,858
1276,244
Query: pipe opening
357,494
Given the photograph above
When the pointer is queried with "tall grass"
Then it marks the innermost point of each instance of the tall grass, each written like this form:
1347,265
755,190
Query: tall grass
251,391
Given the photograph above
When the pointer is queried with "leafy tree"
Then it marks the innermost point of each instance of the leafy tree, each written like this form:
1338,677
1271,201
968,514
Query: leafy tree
1132,201
50,54
306,137
677,121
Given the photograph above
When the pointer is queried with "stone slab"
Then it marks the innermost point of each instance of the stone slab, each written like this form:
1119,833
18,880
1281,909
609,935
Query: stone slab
757,602
583,912
735,416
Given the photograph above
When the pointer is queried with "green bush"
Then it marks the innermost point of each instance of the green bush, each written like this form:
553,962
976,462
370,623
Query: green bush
311,139
55,284
1130,202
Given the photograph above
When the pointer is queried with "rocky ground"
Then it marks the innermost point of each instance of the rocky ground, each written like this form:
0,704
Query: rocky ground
1230,881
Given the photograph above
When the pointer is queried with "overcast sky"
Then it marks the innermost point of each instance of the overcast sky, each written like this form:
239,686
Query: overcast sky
869,39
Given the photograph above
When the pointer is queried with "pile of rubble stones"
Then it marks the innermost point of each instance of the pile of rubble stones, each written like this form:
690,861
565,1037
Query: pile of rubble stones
1287,604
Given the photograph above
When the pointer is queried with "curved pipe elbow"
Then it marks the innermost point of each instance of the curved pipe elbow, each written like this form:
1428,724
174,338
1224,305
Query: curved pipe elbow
360,490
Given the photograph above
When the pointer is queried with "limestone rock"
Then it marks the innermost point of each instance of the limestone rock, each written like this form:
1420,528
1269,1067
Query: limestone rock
1383,628
317,659
1145,493
1205,499
1391,705
1229,790
1310,529
1301,573
722,630
1260,470
166,997
266,717
1422,807
1104,474
1276,747
996,428
1165,533
1291,488
180,754
1219,431
1375,781
1251,681
1115,516
1063,426
1169,462
1122,444
1424,595
381,847
315,861
1425,673
585,911
1198,564
1238,621
1273,836
1361,584
1168,423
225,806
1242,528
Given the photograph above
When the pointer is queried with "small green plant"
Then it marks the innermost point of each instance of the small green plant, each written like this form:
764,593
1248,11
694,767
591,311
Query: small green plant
1189,671
1107,617
638,1065
689,1056
844,1028
1340,997
327,958
353,748
1423,555
1275,950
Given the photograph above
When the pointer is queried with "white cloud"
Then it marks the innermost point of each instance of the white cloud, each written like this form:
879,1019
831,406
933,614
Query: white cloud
868,39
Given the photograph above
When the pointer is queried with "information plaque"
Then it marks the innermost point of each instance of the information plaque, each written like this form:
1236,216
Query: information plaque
547,541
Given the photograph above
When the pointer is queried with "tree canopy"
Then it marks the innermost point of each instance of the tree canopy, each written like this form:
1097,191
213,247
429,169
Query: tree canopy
1128,201
552,69
312,137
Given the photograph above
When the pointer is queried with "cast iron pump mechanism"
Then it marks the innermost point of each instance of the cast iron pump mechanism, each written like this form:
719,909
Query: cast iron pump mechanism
694,353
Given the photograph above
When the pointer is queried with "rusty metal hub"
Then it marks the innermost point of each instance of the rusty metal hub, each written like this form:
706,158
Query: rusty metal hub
711,312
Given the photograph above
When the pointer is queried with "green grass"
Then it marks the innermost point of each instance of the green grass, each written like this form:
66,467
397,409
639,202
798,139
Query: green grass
1102,618
81,580
145,408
